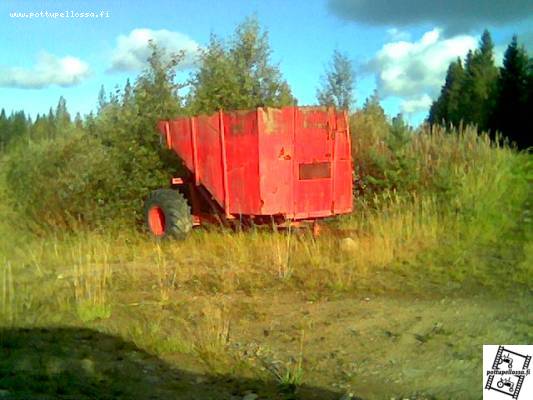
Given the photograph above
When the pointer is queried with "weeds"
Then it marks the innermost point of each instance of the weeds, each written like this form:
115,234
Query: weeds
212,335
91,278
293,375
7,305
462,222
282,253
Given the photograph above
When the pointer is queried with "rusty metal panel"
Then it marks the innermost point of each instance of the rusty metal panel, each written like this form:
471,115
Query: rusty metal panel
343,172
209,149
313,144
243,162
276,149
294,162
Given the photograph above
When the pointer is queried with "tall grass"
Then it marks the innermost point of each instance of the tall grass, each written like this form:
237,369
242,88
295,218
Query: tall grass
454,214
91,277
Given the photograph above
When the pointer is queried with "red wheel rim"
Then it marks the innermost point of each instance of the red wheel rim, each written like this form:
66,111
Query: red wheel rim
156,220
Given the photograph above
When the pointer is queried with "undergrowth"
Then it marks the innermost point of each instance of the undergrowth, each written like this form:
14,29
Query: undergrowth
463,227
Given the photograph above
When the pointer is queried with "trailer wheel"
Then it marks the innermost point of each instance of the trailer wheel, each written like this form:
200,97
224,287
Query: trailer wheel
167,214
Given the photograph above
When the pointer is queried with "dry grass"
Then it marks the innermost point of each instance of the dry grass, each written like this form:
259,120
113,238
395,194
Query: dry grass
175,297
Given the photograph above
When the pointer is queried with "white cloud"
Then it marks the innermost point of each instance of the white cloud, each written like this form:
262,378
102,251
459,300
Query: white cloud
416,104
49,70
415,70
132,50
396,34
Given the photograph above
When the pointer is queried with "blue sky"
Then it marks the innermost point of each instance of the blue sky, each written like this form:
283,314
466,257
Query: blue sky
401,48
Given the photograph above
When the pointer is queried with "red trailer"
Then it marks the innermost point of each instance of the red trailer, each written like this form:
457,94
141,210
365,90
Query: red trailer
267,165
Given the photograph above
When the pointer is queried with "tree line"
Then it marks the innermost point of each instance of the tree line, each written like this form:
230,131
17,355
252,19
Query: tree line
97,169
494,99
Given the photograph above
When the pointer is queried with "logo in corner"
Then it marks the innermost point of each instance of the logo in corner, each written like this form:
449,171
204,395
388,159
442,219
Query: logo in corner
507,372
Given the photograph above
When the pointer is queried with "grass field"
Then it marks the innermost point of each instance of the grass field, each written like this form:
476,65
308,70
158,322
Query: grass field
393,301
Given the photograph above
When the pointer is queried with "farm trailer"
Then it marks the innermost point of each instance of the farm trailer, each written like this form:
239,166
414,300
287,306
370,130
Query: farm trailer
282,166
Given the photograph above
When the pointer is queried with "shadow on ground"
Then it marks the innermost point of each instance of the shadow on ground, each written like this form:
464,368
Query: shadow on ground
73,363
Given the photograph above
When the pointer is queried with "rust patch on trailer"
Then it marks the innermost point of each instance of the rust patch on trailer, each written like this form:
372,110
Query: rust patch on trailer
283,155
237,128
312,117
270,119
315,124
311,109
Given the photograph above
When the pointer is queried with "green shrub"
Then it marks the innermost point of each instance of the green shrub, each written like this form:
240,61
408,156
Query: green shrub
63,182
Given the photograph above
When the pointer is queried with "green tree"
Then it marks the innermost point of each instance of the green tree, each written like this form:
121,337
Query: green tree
238,75
4,130
102,99
41,128
446,108
337,87
127,97
62,116
478,92
514,98
19,125
259,82
370,121
52,127
127,126
78,121
214,85
369,129
400,132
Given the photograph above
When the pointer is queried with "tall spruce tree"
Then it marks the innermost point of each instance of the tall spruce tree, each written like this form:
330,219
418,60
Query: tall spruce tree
469,93
19,125
446,108
78,121
62,116
480,82
337,87
515,98
102,98
4,130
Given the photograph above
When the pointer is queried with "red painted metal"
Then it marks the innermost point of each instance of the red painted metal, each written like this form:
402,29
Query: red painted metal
292,162
156,221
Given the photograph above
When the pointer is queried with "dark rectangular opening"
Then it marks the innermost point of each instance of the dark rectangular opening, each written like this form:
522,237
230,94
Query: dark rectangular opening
317,170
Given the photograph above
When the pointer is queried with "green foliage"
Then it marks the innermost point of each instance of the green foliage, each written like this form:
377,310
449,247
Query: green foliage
515,96
126,125
446,108
99,170
337,87
238,74
4,128
479,85
63,182
378,148
391,156
12,127
492,100
98,173
62,116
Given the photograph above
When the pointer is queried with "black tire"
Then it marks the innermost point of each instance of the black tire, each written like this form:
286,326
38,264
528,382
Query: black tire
167,214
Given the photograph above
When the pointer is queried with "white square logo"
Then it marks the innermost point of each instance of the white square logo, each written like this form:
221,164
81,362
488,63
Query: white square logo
506,372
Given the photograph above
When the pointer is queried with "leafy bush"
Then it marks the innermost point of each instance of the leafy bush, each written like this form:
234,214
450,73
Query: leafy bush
63,182
381,159
100,173
390,156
